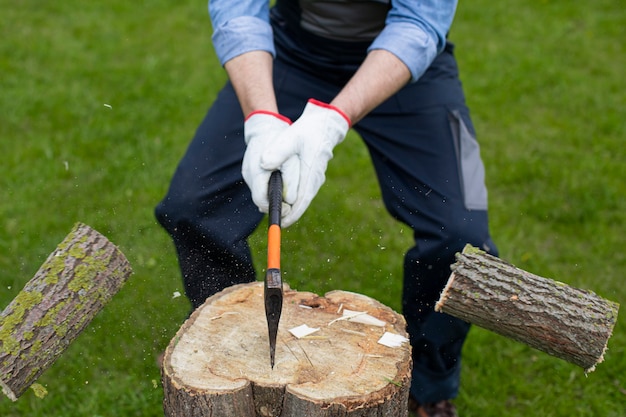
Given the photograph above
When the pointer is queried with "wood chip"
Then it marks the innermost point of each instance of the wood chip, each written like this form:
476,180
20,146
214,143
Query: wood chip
302,331
392,340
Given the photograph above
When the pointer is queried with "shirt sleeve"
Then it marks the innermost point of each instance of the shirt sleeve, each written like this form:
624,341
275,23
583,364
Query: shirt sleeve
240,26
416,32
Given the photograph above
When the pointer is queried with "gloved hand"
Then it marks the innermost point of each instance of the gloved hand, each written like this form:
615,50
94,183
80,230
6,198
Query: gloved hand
311,139
261,129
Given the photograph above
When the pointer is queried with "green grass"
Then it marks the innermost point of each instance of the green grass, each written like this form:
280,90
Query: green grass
544,81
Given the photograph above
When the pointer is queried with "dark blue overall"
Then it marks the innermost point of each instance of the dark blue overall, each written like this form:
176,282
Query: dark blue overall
423,149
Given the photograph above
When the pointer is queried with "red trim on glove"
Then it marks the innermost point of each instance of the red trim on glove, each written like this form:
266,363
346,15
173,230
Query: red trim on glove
331,107
269,113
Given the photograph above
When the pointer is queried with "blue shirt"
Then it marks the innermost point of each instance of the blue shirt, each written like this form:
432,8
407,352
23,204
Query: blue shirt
415,31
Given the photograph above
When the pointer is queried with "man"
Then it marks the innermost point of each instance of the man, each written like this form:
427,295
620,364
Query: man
383,68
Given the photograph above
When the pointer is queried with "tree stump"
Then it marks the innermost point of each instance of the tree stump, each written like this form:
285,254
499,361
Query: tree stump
566,322
218,364
68,290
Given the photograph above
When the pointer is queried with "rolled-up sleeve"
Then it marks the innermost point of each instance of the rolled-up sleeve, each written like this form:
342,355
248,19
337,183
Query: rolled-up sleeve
240,26
416,32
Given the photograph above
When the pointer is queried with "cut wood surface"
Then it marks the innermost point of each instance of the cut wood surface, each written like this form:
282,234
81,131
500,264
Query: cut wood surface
68,290
218,364
563,321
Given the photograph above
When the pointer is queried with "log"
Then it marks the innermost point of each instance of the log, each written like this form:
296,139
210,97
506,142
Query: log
68,290
569,323
218,364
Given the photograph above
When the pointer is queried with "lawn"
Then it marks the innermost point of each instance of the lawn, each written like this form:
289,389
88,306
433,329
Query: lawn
99,99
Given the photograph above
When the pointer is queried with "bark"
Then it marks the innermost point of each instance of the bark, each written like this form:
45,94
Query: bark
218,364
566,322
68,290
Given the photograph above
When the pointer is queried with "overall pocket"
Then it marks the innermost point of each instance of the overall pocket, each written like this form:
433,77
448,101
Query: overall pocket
470,165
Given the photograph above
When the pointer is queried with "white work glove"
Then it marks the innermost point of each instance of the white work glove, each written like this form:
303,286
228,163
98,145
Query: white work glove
311,139
261,129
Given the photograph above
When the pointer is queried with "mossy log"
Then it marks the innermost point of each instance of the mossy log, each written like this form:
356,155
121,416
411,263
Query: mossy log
218,364
563,321
68,290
